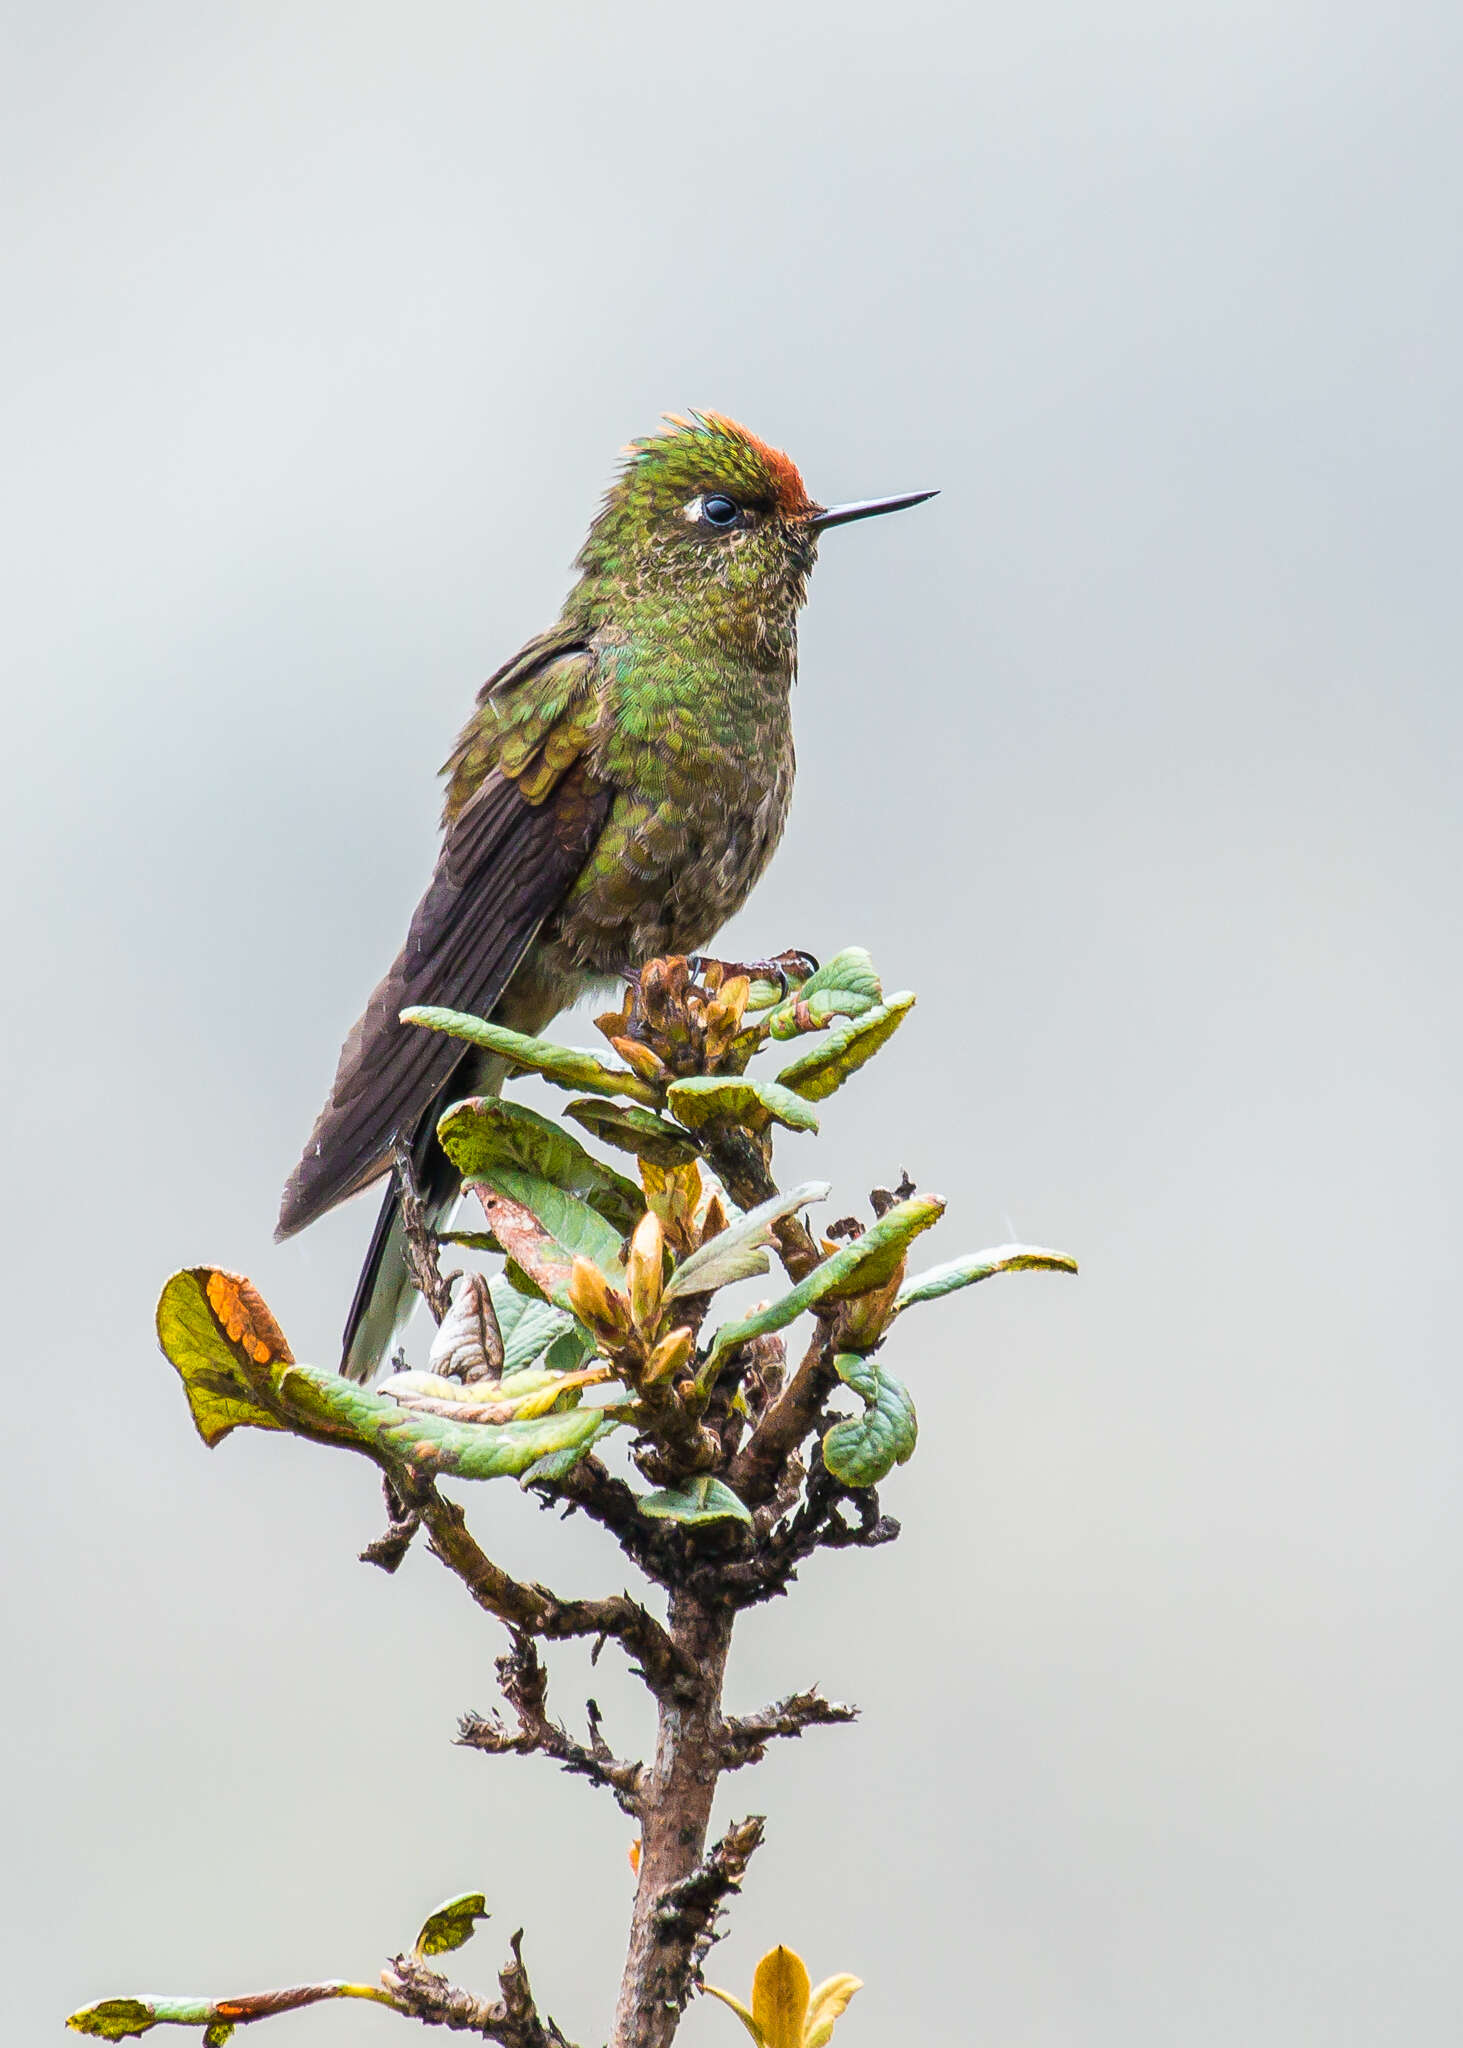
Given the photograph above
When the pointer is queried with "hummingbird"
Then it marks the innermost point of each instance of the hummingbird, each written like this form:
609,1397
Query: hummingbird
620,786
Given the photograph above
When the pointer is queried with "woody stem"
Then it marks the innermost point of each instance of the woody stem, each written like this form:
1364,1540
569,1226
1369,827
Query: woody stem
676,1799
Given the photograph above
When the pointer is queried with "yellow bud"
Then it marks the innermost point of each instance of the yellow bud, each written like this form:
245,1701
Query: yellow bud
674,1192
669,1355
644,1269
640,1059
724,1015
595,1302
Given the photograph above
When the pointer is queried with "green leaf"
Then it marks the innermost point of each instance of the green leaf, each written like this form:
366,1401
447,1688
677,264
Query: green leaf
764,995
528,1327
470,1240
753,1104
543,1231
216,2035
973,1266
566,1066
825,1066
499,1143
639,1131
568,1351
860,1452
844,986
702,1499
114,2019
558,1464
451,1925
736,1253
215,1329
871,1261
337,1409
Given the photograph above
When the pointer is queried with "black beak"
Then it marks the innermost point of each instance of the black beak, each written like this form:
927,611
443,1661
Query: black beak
866,508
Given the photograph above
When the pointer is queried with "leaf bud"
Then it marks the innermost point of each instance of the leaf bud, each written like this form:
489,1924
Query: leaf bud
644,1271
595,1302
724,1016
669,1355
863,1319
640,1059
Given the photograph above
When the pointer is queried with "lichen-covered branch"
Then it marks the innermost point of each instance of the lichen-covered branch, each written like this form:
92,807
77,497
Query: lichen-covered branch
525,1685
408,1986
511,2019
676,1795
789,1419
422,1260
533,1610
745,1737
688,1911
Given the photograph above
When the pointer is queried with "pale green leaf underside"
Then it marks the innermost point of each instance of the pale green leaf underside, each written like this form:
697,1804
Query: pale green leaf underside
736,1254
754,1104
636,1130
973,1266
566,1066
702,1499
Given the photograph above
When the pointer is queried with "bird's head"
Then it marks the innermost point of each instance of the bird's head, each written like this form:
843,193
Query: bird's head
714,526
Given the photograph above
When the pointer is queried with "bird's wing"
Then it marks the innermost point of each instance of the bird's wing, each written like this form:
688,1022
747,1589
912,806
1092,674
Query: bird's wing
522,814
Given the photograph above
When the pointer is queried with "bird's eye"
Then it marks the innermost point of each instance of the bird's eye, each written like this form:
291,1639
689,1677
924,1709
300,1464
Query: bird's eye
720,511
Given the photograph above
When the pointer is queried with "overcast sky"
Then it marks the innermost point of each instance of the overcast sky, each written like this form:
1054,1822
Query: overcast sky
1136,753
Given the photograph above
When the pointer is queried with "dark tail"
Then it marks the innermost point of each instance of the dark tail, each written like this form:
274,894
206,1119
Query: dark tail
385,1296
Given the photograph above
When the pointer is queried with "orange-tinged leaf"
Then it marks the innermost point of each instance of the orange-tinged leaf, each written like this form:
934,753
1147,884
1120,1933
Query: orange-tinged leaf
242,1315
780,1992
225,1346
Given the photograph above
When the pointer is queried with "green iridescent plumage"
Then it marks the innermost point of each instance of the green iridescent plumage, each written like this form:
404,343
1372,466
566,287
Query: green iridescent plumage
619,788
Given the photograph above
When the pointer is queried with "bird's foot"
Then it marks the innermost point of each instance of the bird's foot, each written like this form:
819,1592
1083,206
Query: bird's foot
789,969
684,1015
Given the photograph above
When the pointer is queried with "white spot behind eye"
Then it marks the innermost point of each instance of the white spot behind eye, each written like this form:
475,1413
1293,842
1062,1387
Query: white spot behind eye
692,511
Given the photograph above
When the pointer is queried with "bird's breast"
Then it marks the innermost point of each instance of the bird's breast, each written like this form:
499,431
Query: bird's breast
702,766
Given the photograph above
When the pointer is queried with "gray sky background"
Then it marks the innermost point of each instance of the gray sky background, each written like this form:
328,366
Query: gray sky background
1137,754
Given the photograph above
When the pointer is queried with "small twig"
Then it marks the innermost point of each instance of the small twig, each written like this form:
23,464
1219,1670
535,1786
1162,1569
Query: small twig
512,2020
687,1912
525,1686
769,1566
756,1469
533,1610
402,1523
407,1986
588,1486
882,1200
421,1242
745,1736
